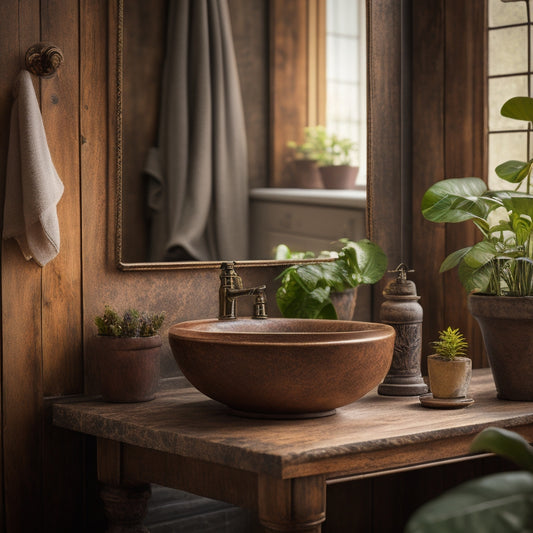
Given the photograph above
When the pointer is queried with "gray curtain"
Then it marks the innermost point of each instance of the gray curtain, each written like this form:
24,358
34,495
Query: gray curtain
198,187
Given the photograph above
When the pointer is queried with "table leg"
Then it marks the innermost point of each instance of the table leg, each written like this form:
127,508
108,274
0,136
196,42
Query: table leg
125,508
292,505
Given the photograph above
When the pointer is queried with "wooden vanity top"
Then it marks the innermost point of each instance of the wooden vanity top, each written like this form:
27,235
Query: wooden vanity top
376,433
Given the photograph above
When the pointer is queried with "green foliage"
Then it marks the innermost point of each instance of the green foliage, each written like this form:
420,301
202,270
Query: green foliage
282,252
490,504
324,148
506,443
502,262
305,288
130,324
451,344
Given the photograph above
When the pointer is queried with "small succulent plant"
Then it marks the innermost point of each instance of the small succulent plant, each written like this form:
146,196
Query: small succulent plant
451,344
131,324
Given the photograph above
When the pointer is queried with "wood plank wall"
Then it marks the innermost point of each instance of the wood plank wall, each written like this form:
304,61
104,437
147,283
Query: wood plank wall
47,314
448,140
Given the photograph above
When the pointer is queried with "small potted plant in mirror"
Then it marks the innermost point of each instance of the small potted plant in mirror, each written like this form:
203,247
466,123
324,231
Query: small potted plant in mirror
449,371
327,289
497,271
303,166
126,352
326,157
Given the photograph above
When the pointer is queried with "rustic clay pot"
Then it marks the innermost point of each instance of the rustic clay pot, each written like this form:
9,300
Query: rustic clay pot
344,303
339,177
127,368
507,327
304,174
449,378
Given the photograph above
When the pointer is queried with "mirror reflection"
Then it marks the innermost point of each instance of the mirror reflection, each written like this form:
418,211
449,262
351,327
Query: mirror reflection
207,173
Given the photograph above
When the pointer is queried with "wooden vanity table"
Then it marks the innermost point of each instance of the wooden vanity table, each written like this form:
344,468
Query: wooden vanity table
278,468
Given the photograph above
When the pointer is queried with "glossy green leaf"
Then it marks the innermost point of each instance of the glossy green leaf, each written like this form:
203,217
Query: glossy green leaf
517,202
513,171
497,503
519,108
295,301
363,262
476,268
454,259
456,200
522,227
508,444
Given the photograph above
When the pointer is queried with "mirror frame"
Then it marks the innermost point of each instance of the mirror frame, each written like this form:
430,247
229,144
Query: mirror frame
386,153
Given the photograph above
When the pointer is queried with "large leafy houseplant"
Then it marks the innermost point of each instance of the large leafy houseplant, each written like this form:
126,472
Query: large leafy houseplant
305,290
501,263
497,271
491,504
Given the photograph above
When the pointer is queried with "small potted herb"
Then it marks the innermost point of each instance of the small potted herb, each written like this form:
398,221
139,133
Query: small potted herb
307,290
127,352
449,369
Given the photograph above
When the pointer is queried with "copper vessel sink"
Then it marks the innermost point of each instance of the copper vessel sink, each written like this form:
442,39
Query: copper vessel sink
280,367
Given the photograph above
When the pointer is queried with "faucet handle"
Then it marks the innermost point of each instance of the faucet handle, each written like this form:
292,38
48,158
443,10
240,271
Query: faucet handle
260,306
228,276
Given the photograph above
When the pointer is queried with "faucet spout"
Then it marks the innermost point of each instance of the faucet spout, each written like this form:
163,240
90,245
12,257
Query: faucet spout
231,288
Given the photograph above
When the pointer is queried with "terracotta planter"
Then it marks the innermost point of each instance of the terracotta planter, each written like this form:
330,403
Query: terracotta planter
507,327
127,368
449,378
304,174
339,177
344,303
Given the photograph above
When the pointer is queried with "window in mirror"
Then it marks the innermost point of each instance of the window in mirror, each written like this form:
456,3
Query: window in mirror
346,75
509,74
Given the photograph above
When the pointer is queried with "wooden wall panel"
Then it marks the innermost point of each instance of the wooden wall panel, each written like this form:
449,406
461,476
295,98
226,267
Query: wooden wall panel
288,83
61,288
385,151
448,81
21,318
62,354
464,141
250,27
429,239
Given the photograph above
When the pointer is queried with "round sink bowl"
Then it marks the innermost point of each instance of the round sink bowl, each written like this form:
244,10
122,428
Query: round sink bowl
281,367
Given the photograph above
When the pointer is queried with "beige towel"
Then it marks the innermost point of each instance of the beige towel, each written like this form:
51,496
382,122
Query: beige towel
33,187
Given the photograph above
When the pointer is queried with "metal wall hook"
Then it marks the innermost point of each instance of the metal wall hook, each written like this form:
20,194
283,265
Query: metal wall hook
43,59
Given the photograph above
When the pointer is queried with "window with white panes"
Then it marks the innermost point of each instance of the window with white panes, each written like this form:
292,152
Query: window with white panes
346,75
509,74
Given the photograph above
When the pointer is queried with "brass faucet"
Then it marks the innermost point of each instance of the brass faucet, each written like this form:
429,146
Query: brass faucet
231,288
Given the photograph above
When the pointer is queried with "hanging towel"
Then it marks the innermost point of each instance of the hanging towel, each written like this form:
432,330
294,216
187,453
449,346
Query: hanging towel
33,187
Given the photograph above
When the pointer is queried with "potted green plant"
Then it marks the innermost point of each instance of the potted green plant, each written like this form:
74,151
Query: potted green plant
334,156
307,289
449,370
126,351
497,271
490,504
303,167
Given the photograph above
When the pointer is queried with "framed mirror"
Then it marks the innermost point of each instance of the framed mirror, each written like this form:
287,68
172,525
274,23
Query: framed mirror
269,122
